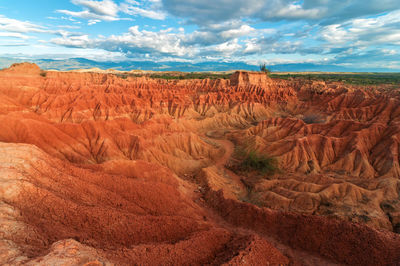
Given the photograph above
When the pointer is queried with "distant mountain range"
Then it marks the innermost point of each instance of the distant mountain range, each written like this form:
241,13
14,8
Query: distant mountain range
82,63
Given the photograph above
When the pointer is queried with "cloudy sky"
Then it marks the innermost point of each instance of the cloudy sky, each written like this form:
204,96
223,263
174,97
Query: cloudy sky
358,33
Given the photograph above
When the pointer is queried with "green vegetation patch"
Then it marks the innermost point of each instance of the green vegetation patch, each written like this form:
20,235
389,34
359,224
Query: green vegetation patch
180,75
349,78
259,162
191,76
313,118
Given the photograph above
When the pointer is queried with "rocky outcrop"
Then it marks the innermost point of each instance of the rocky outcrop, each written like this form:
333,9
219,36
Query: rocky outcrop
245,78
25,68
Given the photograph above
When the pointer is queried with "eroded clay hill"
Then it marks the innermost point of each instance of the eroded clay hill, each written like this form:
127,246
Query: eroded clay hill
102,170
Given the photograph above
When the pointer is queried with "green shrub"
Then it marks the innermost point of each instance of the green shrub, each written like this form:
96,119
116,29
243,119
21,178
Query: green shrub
260,162
43,73
313,119
263,68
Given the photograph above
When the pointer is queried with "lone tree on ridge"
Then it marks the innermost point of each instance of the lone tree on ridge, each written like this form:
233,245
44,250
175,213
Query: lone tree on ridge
263,68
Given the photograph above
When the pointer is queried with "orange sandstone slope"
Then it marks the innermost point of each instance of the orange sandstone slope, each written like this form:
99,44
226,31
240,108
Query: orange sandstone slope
100,170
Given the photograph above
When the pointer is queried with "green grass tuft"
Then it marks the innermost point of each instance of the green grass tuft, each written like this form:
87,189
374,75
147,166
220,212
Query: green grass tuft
260,162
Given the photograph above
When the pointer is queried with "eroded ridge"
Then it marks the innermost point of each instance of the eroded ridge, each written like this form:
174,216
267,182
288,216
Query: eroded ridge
100,170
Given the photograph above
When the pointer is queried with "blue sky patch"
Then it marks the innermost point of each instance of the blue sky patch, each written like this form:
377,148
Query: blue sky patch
355,34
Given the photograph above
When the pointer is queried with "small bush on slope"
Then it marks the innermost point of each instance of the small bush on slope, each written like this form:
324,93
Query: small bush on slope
313,119
261,163
263,68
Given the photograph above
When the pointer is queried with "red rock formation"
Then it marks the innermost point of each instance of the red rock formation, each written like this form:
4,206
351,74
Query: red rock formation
25,68
103,170
245,78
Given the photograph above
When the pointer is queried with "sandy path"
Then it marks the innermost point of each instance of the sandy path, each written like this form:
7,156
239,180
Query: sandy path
298,257
229,148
